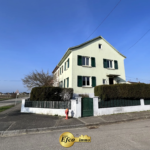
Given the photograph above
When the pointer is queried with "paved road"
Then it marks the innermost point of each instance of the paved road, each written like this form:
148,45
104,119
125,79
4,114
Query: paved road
133,135
11,101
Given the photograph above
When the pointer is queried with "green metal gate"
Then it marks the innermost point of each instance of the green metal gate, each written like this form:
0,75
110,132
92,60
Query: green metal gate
87,107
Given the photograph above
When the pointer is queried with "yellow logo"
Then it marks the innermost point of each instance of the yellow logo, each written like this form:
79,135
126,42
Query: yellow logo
67,139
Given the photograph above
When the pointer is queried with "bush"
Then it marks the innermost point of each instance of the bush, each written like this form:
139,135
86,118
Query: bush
84,95
51,94
123,91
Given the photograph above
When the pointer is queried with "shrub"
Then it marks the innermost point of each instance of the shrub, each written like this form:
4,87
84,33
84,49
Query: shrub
50,94
84,95
123,91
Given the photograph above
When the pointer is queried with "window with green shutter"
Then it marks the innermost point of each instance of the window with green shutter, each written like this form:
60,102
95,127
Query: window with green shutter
79,60
105,63
67,82
65,66
116,64
61,83
93,81
93,62
68,63
64,83
79,80
60,71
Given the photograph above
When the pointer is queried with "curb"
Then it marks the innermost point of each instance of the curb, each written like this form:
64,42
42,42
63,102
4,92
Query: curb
40,130
36,130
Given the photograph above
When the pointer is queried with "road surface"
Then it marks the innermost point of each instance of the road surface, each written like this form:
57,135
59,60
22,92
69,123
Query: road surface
11,101
134,135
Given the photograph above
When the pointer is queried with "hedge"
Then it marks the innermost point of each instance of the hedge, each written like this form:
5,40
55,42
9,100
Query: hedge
51,94
123,91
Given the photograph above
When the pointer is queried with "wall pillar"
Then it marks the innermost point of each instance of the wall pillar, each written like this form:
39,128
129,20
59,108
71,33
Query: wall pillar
78,107
23,105
95,106
142,102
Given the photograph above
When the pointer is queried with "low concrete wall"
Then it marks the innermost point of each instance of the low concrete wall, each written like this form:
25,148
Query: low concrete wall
115,110
73,112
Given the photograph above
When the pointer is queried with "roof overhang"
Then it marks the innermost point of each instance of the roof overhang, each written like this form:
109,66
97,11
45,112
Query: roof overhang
78,46
113,75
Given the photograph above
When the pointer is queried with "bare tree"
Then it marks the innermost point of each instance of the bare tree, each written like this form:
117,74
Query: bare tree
37,79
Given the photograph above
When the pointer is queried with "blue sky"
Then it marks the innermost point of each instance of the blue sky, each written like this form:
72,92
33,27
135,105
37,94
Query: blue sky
35,34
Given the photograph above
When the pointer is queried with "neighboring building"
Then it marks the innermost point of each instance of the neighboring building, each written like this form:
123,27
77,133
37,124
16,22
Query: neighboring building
130,82
92,63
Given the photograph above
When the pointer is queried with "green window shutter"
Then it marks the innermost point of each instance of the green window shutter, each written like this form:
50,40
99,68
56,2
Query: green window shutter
67,82
79,81
105,63
93,62
79,60
64,83
68,63
93,81
60,71
116,64
65,66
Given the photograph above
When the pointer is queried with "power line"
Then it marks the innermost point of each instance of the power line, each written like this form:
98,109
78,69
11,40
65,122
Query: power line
139,39
105,18
135,78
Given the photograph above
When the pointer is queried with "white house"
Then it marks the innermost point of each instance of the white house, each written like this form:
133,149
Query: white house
92,63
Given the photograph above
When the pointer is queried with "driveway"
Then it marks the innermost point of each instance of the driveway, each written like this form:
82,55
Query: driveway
12,119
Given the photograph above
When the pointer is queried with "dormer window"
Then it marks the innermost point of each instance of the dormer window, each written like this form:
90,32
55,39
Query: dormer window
100,46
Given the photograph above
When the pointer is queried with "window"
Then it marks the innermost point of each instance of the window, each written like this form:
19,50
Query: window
100,46
67,82
65,66
68,62
86,81
104,81
85,61
109,64
64,83
83,81
61,84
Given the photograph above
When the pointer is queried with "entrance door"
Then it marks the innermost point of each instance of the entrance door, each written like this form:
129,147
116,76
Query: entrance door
87,107
111,81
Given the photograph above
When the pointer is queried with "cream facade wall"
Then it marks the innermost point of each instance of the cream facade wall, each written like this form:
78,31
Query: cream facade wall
92,50
56,78
66,73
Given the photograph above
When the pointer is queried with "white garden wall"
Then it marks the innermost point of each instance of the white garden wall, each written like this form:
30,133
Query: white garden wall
115,110
75,110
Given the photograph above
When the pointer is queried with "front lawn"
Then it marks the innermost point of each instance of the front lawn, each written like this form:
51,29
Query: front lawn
5,108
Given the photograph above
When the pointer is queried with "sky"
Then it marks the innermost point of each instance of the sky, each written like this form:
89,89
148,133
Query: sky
35,34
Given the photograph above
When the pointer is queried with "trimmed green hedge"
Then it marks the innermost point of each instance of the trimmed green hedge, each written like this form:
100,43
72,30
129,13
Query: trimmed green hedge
123,91
50,93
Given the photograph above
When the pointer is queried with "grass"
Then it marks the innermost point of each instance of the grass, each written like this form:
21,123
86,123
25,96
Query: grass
2,99
5,108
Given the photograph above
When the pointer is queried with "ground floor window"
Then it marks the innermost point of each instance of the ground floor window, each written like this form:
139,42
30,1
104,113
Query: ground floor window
86,81
104,81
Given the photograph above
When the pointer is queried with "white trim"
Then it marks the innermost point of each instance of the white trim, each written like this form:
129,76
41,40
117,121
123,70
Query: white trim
85,61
